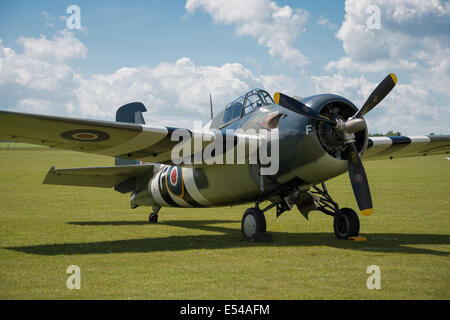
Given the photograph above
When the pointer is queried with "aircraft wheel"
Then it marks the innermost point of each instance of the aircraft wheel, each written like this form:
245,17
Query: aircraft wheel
153,218
346,224
253,222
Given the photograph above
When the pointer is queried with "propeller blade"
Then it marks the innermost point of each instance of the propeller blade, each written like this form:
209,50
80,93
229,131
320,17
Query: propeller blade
378,94
359,181
298,107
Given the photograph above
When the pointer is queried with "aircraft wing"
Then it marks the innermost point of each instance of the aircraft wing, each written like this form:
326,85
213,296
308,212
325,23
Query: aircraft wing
104,177
109,138
402,146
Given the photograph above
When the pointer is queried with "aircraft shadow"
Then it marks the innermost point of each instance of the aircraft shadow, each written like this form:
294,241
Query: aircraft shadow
232,238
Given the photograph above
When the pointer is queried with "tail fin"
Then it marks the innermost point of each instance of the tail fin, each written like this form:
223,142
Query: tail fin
132,113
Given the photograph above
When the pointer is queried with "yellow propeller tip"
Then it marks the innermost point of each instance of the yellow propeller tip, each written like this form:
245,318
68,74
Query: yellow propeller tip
276,97
358,239
394,78
367,212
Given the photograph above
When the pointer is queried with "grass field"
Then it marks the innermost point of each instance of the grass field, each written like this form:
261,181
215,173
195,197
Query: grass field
200,253
20,146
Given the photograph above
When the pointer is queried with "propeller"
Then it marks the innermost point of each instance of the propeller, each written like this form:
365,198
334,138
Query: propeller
298,107
348,128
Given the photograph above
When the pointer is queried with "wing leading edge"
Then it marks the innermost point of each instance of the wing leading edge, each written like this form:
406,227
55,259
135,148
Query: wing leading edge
402,146
92,136
116,139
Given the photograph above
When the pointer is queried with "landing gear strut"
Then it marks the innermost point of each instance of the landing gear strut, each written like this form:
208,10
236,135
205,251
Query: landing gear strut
345,222
253,222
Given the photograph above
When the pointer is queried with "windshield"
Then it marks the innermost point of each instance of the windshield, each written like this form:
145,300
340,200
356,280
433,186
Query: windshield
246,104
233,110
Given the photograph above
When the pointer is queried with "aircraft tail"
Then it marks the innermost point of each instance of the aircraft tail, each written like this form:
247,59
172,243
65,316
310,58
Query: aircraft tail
132,113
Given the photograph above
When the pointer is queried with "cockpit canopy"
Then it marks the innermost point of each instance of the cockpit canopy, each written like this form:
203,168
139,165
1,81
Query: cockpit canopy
243,105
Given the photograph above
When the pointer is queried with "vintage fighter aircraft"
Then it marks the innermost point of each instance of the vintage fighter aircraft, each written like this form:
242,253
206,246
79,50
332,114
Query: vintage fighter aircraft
320,137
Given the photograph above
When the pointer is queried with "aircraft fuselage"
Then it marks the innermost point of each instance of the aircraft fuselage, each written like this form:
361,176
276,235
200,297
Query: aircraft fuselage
302,160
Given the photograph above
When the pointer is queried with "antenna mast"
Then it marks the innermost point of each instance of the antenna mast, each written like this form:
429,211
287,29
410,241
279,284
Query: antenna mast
210,104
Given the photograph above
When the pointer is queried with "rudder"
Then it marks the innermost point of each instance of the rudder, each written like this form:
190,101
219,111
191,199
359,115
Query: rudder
131,113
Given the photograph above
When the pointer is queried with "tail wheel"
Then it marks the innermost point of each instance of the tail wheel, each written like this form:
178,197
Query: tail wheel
153,218
346,224
253,222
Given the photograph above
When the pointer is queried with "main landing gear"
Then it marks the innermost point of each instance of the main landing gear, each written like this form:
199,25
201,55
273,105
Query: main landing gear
346,224
345,220
253,225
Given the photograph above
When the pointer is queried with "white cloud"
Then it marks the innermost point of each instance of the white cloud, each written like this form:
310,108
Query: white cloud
175,93
406,27
280,82
355,89
34,105
274,27
407,109
42,65
413,41
435,73
347,64
169,90
62,46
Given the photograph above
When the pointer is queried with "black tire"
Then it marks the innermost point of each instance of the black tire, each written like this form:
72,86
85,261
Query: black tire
153,218
253,222
346,224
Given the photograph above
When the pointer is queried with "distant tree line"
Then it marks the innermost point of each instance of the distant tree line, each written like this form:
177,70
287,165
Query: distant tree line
389,133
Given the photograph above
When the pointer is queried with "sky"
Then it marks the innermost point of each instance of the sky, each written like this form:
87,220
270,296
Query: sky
170,55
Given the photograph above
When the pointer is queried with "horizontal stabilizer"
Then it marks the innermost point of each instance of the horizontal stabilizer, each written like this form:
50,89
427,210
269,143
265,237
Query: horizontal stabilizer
103,177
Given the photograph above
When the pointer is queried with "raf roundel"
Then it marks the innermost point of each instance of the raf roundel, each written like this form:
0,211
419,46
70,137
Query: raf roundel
358,178
85,135
174,181
173,176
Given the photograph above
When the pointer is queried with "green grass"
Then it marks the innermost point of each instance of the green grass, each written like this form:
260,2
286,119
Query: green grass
19,145
200,253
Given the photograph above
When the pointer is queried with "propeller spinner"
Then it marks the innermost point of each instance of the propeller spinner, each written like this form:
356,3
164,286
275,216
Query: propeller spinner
348,128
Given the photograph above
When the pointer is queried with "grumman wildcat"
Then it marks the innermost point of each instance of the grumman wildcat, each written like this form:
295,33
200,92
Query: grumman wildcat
281,149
